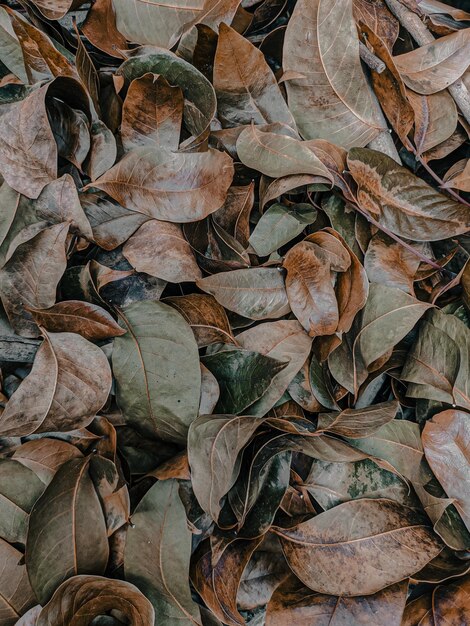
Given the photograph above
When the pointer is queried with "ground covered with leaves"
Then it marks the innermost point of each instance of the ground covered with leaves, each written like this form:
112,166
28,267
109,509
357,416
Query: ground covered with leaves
235,322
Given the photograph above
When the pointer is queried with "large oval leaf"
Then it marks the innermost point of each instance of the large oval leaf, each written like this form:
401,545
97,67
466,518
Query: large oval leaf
69,383
359,547
332,100
156,365
172,186
158,550
67,531
402,202
257,293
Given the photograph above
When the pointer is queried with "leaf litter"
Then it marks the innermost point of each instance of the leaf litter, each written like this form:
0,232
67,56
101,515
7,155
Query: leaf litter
235,313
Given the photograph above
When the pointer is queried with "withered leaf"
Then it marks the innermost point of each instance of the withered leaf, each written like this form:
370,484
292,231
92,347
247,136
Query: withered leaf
84,318
173,186
278,155
437,65
206,317
437,365
67,531
402,202
30,277
445,442
256,293
159,249
16,595
152,113
293,603
82,597
390,542
332,99
68,384
214,443
246,88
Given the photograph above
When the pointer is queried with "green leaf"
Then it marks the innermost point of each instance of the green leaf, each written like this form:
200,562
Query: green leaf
157,554
243,376
438,364
19,490
156,365
279,225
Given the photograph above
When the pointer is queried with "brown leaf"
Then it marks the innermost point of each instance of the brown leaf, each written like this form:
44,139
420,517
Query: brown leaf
67,531
159,249
152,113
359,547
257,293
437,65
86,319
206,317
174,186
30,277
100,29
294,604
82,598
16,595
446,440
333,101
69,383
247,90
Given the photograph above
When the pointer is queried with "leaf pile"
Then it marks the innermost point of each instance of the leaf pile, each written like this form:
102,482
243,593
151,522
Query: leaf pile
235,321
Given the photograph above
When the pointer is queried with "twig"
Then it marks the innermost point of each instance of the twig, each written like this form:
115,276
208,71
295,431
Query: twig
370,59
422,36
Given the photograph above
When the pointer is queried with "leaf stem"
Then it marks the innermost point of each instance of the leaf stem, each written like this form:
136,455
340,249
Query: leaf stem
400,241
439,180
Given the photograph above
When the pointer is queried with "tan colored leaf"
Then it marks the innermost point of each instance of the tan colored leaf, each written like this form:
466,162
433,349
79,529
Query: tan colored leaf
257,293
246,88
334,100
437,65
435,118
278,155
402,202
30,277
173,186
28,152
359,547
159,249
69,383
446,442
16,595
152,113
